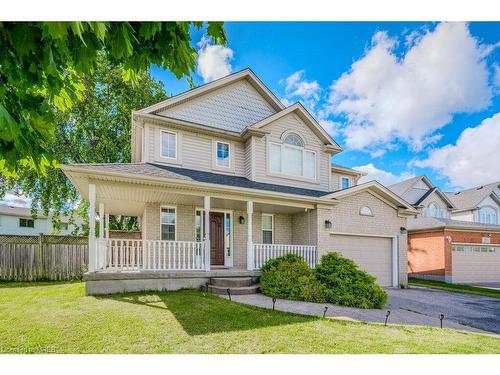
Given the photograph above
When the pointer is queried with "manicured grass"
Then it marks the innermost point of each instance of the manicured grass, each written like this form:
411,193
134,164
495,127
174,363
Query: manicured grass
48,317
468,289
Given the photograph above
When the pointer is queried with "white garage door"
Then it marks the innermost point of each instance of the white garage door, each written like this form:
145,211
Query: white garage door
371,254
475,264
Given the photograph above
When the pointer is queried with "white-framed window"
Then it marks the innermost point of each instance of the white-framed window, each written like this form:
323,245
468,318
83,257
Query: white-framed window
345,182
487,215
223,154
168,220
291,158
168,144
267,228
26,223
433,210
64,226
365,211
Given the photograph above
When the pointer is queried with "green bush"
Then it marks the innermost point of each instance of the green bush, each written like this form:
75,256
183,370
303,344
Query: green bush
289,277
347,285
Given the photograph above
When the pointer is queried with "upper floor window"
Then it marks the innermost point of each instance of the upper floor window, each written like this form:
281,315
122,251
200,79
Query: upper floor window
346,182
64,226
487,215
433,210
223,155
26,223
291,158
168,147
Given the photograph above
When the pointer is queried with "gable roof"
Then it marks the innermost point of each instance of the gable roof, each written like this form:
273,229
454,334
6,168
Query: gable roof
305,116
246,74
347,170
470,198
403,186
380,190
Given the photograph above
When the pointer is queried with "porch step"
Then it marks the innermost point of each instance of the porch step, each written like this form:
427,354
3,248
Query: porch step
231,282
238,290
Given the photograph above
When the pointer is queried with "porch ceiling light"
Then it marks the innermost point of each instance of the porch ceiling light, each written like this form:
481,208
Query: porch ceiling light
241,220
328,224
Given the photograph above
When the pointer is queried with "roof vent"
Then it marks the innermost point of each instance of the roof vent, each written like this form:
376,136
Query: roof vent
480,187
458,192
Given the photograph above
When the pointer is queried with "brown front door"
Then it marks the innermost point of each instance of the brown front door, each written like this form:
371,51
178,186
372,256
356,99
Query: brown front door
216,238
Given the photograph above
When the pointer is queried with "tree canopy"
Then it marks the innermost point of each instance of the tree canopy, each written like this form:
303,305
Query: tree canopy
95,130
43,74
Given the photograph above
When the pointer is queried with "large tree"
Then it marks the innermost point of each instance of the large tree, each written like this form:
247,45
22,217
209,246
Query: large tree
95,130
43,66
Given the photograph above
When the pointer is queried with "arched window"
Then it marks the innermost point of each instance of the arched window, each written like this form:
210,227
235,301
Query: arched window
365,211
487,215
291,158
433,210
294,140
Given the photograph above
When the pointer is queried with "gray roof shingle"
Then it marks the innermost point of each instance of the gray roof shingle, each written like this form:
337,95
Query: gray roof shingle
470,198
164,171
400,187
430,223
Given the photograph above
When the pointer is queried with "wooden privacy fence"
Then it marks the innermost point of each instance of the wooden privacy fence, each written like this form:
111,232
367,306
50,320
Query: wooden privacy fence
27,258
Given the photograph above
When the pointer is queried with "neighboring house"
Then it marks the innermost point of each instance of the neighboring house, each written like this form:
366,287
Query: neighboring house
19,221
224,177
456,237
480,204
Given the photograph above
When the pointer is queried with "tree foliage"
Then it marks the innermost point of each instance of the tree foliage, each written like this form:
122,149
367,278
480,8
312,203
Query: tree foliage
43,66
95,130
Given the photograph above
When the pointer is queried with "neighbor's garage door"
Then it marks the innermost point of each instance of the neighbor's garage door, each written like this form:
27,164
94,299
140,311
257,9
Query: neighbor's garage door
475,264
371,254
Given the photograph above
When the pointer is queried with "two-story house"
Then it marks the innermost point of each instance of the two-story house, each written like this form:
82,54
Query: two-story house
19,221
456,238
224,177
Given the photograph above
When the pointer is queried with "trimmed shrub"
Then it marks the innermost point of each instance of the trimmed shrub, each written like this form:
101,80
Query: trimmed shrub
289,277
347,285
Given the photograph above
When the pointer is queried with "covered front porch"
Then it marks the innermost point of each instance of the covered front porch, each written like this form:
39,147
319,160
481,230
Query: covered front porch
243,232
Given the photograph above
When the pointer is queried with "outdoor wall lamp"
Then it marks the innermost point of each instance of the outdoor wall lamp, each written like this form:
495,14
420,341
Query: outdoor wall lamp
328,224
403,230
241,220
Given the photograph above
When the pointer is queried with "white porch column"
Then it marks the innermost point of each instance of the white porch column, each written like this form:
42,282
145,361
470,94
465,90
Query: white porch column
107,224
206,206
101,220
250,252
92,244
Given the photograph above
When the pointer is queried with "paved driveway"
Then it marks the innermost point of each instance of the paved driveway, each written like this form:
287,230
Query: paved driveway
419,306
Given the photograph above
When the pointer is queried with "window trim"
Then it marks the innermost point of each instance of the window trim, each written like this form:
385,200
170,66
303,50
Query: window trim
217,156
169,206
291,176
176,144
267,230
27,226
348,179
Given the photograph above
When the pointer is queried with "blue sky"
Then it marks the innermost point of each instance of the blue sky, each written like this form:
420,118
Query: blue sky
400,110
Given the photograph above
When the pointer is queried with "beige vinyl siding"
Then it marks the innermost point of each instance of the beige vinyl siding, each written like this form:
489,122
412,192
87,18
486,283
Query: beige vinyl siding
233,107
196,151
249,164
291,123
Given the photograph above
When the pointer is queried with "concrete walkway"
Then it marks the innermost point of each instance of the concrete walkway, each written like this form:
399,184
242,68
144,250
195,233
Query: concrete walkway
400,314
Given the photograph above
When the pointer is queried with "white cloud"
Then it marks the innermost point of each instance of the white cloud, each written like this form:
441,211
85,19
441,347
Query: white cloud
214,61
386,98
298,88
14,200
384,177
473,160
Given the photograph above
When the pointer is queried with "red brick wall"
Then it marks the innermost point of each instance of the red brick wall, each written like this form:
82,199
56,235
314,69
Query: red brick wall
426,253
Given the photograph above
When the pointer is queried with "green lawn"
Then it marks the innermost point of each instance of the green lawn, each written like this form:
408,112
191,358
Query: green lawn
48,317
468,289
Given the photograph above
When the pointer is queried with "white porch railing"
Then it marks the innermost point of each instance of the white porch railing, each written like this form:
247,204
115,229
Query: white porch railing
264,252
149,255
